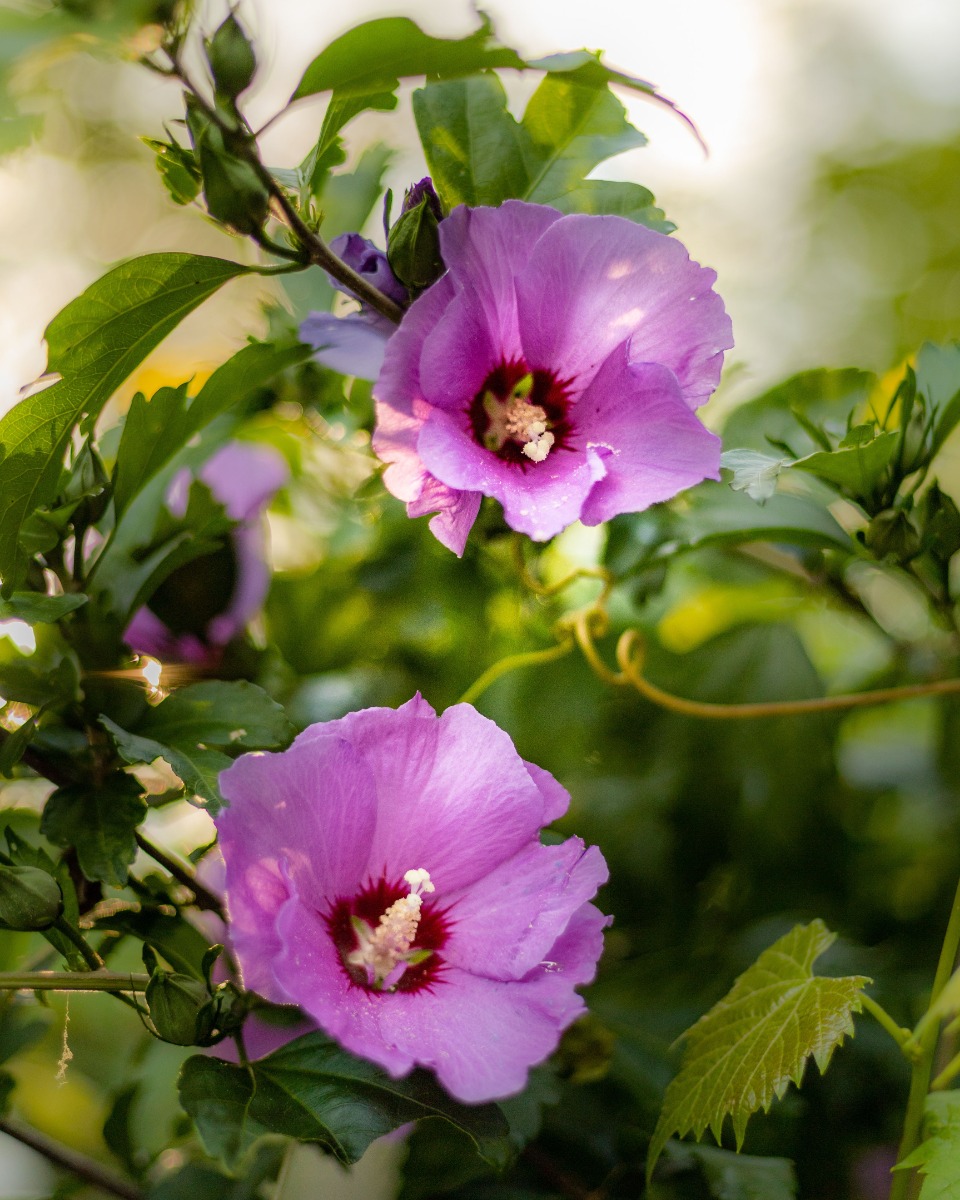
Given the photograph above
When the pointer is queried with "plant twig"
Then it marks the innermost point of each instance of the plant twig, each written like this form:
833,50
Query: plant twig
514,662
87,1169
903,1037
203,897
72,981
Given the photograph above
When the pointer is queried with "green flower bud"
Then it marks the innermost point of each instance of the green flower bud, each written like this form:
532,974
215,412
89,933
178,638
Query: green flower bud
232,190
231,58
413,250
180,1008
29,898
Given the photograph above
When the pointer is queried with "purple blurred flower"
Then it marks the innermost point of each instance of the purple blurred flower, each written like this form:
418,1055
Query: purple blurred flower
417,193
385,873
205,604
354,344
554,367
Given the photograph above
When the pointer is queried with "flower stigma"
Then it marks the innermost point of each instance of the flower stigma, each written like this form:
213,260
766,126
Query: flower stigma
385,953
515,418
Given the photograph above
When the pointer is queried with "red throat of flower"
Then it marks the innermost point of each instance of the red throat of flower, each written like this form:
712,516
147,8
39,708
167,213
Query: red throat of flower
521,415
389,936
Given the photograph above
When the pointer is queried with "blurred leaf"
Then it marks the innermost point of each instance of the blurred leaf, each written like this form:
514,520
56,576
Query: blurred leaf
117,1132
817,396
178,169
180,942
198,768
755,1041
37,609
235,713
347,198
732,1176
94,343
13,745
712,513
7,1085
99,822
373,57
938,1155
39,683
156,429
753,472
312,1090
20,1028
203,1181
938,381
628,200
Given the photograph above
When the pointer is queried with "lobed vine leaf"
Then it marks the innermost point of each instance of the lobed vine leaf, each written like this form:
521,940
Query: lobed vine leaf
312,1090
93,344
755,1041
938,1155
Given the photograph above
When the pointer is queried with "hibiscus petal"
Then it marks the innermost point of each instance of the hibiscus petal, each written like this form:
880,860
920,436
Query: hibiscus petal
506,924
592,283
652,445
353,344
244,478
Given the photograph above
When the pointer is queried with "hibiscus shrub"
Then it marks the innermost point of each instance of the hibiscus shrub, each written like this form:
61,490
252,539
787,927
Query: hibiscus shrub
316,832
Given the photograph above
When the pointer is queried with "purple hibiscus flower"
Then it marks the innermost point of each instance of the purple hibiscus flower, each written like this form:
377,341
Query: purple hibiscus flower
354,344
385,873
205,604
554,367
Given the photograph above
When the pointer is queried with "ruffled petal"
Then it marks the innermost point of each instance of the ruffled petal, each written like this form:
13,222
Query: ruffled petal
539,500
506,924
556,798
652,445
354,344
592,283
484,250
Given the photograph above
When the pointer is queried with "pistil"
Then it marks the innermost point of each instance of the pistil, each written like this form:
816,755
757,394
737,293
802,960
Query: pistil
515,418
385,952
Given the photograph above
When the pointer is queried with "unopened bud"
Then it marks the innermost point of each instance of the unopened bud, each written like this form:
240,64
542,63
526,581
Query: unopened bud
180,1008
30,899
231,58
414,244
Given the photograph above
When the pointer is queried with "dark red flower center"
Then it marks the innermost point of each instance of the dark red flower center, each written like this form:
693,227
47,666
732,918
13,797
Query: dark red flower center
364,931
521,415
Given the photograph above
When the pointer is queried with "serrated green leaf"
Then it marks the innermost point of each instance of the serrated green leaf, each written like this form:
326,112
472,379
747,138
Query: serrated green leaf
938,1155
38,609
94,344
312,1090
855,469
755,1041
218,713
730,1176
199,769
375,56
100,823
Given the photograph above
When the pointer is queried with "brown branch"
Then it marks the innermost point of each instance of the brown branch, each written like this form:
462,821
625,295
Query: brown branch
203,897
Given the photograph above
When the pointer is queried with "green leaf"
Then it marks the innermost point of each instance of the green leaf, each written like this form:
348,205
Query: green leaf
100,823
312,1090
476,152
573,126
375,56
199,769
13,745
218,713
938,1156
156,429
730,1176
755,1041
753,472
815,396
605,196
94,344
347,198
938,381
178,169
713,514
855,469
37,609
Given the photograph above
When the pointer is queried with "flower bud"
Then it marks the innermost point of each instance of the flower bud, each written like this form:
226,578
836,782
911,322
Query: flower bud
231,58
414,245
892,533
940,521
180,1008
30,899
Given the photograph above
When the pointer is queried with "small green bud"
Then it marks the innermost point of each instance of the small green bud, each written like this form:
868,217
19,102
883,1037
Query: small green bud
231,58
180,1008
29,898
891,533
232,190
413,249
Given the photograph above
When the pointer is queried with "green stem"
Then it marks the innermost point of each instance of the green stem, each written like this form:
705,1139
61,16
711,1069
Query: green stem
72,981
513,662
90,956
203,897
903,1037
905,1183
87,1169
949,1072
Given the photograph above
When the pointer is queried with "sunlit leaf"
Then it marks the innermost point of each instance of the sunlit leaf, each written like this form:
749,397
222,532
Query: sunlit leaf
312,1090
37,609
938,1155
753,472
755,1041
855,469
94,344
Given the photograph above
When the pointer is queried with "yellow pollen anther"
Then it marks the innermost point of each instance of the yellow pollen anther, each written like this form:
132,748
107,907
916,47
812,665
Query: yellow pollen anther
516,419
382,950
